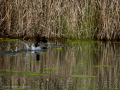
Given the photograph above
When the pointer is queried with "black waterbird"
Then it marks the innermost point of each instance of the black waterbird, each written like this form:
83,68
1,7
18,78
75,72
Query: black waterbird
40,40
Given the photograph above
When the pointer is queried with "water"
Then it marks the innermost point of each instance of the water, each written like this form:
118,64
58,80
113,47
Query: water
73,65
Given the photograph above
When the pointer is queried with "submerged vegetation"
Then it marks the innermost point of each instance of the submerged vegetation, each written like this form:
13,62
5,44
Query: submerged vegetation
93,19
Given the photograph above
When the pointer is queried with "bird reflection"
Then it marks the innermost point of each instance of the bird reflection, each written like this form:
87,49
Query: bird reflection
37,57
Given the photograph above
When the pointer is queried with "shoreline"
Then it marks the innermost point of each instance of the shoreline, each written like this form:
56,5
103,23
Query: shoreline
56,38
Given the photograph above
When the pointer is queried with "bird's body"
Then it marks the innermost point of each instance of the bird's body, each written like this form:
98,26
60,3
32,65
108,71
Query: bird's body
35,48
38,44
43,40
40,40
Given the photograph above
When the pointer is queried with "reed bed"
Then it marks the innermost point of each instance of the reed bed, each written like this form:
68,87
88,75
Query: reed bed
94,19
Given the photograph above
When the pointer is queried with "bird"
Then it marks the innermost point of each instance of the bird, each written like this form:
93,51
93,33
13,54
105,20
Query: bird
43,40
40,40
34,48
37,44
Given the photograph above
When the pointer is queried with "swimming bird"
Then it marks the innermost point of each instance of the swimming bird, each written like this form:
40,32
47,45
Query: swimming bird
37,44
33,47
41,40
38,40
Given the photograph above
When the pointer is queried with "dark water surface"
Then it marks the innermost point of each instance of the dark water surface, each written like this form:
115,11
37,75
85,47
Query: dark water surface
73,65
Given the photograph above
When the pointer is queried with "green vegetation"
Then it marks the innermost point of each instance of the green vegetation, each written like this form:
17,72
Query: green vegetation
51,69
117,55
86,19
7,39
59,49
112,59
82,76
2,74
108,88
15,89
27,73
104,66
33,61
14,55
24,89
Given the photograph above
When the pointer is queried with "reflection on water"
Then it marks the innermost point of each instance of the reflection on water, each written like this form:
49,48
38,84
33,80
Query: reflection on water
78,65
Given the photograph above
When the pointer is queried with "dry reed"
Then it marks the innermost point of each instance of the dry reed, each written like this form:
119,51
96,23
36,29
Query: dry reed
58,18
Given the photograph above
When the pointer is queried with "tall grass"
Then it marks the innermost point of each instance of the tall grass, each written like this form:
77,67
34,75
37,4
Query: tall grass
108,19
60,18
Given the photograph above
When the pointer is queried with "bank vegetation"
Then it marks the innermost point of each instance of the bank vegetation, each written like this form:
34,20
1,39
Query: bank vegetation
93,19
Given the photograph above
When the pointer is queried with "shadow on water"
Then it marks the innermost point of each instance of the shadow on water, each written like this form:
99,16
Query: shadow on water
78,65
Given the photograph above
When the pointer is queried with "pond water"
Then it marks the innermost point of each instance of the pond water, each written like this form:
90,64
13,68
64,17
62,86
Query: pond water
70,65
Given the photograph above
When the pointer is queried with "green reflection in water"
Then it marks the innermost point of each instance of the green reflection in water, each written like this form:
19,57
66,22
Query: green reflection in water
24,89
110,54
33,61
71,49
27,73
59,49
117,55
51,69
103,66
82,62
34,73
2,74
108,88
82,76
84,87
112,59
42,53
14,55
